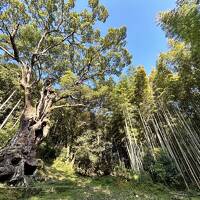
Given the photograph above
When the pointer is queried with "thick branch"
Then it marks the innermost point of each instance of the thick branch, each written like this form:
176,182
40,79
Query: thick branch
65,97
14,46
12,36
47,98
68,105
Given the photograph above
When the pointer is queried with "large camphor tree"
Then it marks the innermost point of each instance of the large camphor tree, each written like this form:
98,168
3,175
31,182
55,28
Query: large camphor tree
58,51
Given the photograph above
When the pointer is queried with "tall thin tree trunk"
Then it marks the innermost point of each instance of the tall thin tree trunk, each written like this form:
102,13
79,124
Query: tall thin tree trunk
6,119
5,102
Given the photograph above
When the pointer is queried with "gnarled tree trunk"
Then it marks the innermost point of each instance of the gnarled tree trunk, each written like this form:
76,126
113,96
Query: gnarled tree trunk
18,158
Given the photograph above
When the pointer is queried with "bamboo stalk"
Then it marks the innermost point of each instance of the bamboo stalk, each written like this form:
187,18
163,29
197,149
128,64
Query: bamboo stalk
6,119
7,99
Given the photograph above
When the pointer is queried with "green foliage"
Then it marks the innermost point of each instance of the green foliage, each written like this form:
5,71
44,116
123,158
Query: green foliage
64,40
128,174
9,84
8,81
134,91
47,152
93,154
183,23
6,134
61,163
162,169
182,27
133,95
82,62
68,79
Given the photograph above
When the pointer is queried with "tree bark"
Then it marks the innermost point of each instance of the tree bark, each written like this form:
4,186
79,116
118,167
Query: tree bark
18,159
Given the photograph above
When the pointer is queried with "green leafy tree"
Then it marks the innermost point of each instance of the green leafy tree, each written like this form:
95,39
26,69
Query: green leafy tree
132,96
60,51
183,23
182,27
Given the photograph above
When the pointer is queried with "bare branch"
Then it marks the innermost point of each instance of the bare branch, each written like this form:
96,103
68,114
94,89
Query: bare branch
65,97
68,105
57,44
62,14
39,70
41,41
36,53
7,52
47,32
6,28
15,31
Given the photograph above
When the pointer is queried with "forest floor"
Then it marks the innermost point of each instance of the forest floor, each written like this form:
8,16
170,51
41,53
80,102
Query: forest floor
75,187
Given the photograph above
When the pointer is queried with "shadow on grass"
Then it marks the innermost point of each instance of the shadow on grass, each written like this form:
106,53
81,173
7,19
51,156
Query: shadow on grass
63,186
59,186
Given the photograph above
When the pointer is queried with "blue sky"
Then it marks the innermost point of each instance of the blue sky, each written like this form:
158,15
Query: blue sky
145,40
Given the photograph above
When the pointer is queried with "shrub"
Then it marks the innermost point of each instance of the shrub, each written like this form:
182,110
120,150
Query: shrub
162,169
93,155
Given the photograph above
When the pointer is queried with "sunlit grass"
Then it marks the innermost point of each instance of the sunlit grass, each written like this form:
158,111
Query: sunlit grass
69,186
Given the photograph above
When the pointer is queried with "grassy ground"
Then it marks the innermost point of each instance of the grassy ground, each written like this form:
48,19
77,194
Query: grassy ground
73,187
